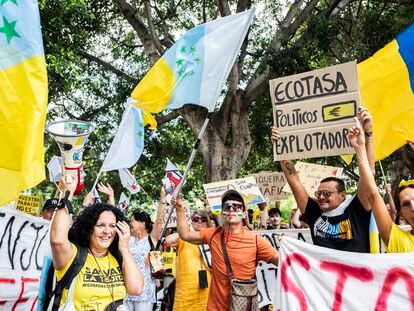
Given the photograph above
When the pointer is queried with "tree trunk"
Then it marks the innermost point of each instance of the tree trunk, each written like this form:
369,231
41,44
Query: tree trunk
226,142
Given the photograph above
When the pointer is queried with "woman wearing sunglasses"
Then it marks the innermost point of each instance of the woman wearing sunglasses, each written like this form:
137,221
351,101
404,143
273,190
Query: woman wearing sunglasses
395,239
193,276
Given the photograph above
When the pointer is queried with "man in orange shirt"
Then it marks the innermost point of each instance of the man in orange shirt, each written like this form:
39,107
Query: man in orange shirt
244,248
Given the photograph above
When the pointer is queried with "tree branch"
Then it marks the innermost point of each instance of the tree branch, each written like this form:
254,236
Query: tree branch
167,118
108,66
152,29
224,7
135,20
242,5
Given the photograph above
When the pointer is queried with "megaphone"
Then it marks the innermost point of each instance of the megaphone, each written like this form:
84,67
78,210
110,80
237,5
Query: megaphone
71,137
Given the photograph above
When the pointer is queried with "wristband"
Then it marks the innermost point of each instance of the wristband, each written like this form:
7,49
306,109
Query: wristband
368,134
65,203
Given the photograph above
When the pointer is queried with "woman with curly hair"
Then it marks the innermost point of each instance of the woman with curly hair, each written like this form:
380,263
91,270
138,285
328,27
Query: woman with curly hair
145,235
110,271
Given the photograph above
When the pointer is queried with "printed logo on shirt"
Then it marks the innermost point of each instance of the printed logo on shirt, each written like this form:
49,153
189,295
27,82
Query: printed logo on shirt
341,230
93,277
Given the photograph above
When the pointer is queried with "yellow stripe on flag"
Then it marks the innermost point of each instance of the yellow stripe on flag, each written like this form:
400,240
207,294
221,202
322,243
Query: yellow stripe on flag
154,91
385,90
23,98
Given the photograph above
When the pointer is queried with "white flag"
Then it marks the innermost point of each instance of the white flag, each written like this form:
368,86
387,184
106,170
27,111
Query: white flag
55,168
128,181
128,143
171,180
123,202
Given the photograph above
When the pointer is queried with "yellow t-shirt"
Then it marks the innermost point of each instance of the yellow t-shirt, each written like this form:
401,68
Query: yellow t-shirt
188,295
400,241
93,291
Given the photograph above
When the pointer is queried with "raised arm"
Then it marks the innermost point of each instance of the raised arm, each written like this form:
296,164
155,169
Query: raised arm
62,251
172,239
159,219
292,177
107,189
392,210
365,118
182,226
367,182
133,279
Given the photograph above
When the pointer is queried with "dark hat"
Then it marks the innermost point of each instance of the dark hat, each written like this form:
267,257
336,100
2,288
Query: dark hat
50,204
232,195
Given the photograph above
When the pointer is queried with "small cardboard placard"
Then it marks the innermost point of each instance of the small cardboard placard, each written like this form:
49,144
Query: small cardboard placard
314,110
247,187
311,175
173,219
271,184
29,204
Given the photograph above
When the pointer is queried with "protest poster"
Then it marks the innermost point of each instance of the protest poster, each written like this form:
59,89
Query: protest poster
23,244
247,187
266,272
172,223
311,175
314,110
29,204
271,184
319,278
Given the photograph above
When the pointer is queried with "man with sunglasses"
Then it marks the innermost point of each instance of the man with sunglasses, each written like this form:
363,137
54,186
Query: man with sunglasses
244,248
336,220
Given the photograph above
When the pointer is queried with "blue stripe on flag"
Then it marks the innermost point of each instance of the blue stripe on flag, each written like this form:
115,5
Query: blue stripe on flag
25,20
186,59
406,48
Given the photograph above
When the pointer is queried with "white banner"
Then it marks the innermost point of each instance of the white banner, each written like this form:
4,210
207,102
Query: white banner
318,278
23,242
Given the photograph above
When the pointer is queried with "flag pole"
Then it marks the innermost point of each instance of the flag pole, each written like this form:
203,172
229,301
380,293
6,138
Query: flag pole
383,175
186,171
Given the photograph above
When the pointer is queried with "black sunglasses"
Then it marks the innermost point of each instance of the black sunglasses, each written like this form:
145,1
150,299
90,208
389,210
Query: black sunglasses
198,219
235,206
324,193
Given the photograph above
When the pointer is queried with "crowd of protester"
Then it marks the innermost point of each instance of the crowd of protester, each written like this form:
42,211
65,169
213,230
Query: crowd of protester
123,256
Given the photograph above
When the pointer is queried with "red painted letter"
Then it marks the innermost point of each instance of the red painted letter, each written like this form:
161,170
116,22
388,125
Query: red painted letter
6,281
344,271
21,299
392,277
288,285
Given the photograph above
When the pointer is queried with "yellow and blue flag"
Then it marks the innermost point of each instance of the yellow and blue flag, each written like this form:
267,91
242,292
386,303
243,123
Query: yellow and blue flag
374,238
386,82
195,68
23,98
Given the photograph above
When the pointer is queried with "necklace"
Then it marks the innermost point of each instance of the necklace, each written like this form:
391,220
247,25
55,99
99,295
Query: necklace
110,288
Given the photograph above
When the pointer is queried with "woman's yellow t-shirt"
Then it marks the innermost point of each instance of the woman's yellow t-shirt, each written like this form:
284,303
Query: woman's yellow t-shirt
95,283
400,241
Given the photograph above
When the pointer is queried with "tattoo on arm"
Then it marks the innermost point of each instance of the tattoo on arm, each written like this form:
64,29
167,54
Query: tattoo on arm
291,169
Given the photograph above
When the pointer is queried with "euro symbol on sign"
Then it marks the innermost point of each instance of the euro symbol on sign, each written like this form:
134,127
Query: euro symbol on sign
335,112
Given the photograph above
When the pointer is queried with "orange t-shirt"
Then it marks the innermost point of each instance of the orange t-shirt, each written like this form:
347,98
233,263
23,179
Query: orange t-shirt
241,249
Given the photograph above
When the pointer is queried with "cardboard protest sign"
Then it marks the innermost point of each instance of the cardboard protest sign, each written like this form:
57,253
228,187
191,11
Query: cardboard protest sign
245,186
29,204
22,250
311,175
171,180
271,184
319,278
314,110
172,223
55,168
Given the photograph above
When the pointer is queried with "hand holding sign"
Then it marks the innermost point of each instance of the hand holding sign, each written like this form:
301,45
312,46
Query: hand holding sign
365,118
356,136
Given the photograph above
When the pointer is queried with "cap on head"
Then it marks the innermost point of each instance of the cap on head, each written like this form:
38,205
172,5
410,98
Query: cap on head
50,204
234,196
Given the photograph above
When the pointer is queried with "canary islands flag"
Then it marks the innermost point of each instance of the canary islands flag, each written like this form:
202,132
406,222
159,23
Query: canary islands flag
386,82
23,98
195,68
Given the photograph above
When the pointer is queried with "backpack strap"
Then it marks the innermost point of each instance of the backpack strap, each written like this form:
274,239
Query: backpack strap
70,274
152,248
214,233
